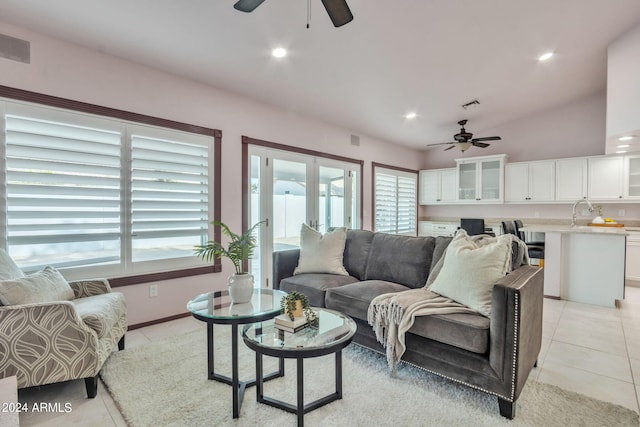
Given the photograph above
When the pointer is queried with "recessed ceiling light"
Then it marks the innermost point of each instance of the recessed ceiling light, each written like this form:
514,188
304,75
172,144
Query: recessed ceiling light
545,56
621,151
279,52
623,146
626,138
410,116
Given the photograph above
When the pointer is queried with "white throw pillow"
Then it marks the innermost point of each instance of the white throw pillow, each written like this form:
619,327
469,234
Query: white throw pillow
44,286
470,270
321,253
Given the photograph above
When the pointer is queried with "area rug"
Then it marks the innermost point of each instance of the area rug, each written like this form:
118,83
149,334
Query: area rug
165,384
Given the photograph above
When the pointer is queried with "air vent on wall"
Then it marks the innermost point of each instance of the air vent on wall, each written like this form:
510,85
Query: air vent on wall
355,140
15,49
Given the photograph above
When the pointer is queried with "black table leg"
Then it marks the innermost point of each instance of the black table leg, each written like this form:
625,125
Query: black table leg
339,374
300,406
210,365
234,370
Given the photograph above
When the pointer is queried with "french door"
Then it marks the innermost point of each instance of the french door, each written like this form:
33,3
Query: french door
288,189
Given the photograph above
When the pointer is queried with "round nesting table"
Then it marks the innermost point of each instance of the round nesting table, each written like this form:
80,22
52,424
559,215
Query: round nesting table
331,334
216,308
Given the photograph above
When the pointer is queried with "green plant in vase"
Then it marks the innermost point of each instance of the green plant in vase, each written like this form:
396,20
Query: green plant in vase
296,304
239,250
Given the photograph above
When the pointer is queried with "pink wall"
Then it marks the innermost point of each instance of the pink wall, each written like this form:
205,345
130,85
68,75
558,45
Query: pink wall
66,70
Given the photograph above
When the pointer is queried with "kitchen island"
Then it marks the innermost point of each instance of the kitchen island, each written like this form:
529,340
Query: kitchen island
584,264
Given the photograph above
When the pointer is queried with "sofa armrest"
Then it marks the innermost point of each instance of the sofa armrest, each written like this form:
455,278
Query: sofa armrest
516,325
91,287
284,263
43,343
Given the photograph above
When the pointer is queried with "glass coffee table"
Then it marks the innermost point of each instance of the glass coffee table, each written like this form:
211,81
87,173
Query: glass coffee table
216,308
331,334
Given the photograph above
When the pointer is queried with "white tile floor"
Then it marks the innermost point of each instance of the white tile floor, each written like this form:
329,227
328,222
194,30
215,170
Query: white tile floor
591,350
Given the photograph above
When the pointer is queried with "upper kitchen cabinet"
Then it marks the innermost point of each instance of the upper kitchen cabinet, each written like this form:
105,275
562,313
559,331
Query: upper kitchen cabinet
530,181
623,92
632,177
437,186
571,179
606,178
481,179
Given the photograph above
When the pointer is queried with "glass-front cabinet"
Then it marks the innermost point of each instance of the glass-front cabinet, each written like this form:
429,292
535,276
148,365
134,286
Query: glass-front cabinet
481,178
632,175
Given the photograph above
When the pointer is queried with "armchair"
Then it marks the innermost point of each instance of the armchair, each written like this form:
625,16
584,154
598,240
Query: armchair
47,342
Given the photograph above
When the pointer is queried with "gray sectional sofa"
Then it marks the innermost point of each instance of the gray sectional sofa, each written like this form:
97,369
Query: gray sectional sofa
494,355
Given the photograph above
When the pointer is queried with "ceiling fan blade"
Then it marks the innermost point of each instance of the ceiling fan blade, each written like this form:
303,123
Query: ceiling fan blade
247,5
449,148
441,143
480,144
338,11
487,138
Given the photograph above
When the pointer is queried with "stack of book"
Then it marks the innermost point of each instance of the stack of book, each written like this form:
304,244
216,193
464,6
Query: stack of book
284,323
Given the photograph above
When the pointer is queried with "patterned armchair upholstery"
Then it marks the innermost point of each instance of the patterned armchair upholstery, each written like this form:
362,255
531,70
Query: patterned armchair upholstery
54,341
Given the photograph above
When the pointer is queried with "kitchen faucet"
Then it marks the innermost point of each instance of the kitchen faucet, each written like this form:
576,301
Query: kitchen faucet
573,210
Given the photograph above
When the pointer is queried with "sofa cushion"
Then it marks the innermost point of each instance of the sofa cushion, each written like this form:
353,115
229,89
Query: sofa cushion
314,285
353,300
101,312
471,268
356,252
400,259
321,253
465,331
44,286
8,268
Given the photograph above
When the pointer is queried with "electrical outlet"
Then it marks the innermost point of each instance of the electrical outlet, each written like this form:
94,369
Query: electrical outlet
536,214
621,212
153,290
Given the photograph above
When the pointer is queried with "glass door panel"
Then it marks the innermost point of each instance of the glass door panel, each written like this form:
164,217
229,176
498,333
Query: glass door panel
289,203
490,179
255,213
467,180
331,198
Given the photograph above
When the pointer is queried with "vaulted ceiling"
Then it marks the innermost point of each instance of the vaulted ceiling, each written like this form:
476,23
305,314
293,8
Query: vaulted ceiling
427,56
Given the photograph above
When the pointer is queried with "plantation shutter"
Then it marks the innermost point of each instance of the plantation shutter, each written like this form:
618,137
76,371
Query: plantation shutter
395,203
63,187
170,198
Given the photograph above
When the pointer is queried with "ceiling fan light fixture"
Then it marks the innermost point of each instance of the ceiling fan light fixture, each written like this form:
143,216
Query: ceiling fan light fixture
464,146
545,56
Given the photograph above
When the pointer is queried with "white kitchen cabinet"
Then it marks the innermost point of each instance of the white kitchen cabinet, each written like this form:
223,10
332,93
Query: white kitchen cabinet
437,186
632,269
571,179
632,177
606,178
530,181
481,179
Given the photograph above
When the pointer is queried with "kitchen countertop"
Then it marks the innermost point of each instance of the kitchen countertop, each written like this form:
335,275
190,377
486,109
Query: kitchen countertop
585,229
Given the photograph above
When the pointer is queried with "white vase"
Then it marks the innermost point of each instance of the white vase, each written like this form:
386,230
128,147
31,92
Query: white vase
241,288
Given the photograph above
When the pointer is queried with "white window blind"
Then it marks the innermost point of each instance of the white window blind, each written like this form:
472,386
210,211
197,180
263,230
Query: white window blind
395,202
170,197
63,193
102,197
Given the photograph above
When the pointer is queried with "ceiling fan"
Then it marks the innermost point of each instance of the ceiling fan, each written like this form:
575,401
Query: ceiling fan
338,10
464,140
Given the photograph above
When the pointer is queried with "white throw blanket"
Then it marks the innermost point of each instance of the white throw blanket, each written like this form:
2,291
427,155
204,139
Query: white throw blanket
391,315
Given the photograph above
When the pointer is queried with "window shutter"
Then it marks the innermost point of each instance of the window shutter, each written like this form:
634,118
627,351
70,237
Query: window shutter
395,202
170,198
63,192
